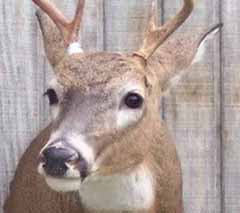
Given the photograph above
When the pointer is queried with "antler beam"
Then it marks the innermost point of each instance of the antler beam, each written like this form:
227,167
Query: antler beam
155,36
68,29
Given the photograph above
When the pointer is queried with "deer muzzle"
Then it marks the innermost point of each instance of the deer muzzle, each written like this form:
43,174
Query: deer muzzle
59,160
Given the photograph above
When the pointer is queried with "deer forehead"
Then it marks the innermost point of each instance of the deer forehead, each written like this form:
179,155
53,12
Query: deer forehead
88,70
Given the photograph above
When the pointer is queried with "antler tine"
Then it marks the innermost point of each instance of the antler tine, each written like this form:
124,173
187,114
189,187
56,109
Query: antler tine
75,24
152,24
69,30
156,36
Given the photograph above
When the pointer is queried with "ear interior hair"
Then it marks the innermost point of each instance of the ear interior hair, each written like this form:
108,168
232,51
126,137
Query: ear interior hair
52,39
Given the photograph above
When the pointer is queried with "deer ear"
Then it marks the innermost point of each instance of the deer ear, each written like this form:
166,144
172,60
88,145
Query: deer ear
202,44
178,53
53,41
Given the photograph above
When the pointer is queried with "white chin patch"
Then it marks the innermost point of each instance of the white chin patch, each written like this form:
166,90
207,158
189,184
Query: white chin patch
71,181
63,185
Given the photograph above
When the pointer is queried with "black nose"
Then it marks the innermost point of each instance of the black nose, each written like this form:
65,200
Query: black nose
55,159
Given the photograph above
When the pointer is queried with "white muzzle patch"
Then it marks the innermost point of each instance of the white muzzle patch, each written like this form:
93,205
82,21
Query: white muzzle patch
63,185
72,179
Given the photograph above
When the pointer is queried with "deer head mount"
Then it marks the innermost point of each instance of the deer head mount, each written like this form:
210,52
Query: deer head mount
106,139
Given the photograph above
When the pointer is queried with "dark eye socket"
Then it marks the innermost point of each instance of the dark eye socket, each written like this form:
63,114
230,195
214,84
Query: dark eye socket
133,100
52,96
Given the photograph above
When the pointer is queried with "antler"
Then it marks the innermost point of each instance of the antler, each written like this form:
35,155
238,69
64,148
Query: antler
155,36
68,29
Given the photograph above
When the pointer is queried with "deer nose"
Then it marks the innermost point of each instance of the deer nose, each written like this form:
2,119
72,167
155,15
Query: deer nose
54,160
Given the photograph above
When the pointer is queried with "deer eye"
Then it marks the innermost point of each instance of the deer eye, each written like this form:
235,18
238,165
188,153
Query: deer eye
52,96
133,100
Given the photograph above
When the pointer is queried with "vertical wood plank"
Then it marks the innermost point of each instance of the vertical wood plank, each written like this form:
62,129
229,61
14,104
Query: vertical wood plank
100,25
21,86
24,75
231,106
192,112
124,24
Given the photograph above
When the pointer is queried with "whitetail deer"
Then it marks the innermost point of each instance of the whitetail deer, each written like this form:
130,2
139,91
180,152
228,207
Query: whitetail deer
106,147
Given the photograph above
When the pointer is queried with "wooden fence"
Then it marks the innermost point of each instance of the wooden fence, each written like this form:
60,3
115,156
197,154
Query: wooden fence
203,113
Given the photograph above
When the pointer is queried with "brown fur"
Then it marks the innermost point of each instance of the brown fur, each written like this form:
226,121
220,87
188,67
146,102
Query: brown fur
30,194
147,142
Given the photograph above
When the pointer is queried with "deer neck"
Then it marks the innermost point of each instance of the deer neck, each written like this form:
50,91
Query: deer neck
126,182
131,191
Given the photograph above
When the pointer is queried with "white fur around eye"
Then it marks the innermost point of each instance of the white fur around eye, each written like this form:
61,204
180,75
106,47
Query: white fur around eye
54,111
127,117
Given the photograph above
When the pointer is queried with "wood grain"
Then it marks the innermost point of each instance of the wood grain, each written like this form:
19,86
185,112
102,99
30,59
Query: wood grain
202,111
231,106
124,24
192,113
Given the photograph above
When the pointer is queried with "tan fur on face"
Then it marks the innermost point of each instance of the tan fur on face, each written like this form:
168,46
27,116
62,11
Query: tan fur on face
86,70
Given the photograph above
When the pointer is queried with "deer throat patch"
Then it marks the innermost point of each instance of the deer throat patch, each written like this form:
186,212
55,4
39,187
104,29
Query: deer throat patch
121,192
